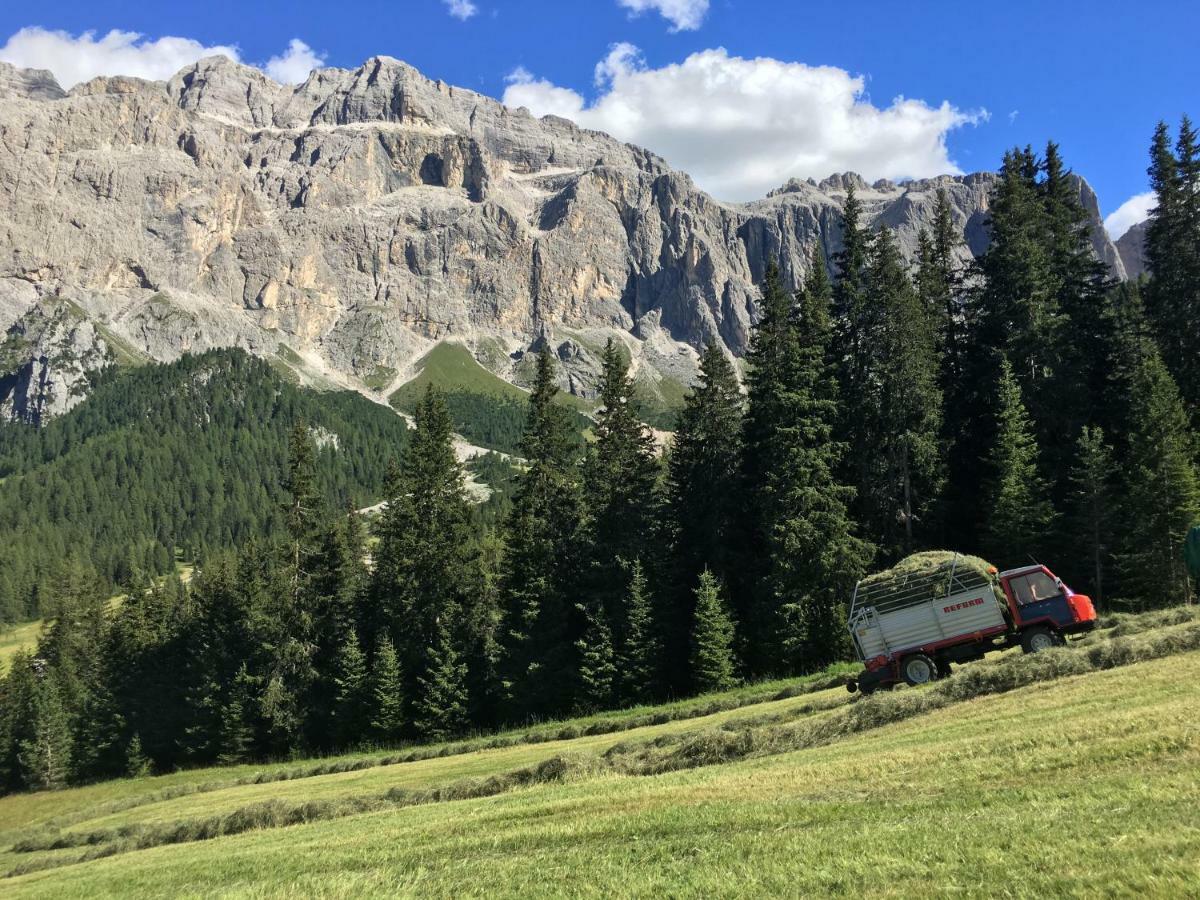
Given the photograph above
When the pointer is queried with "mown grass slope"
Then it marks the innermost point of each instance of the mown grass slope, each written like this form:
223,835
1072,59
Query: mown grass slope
484,408
1075,772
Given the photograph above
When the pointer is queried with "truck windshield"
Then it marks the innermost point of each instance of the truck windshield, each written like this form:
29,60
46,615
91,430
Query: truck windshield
1035,587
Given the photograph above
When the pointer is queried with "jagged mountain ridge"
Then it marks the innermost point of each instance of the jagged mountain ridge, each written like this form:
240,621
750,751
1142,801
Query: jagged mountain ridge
353,220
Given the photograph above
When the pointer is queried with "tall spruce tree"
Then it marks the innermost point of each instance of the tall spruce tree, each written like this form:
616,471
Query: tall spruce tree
339,589
804,555
597,676
638,662
940,285
856,323
386,694
1162,491
1173,257
439,709
1018,309
619,485
712,658
1092,509
948,292
45,755
539,569
905,477
427,561
1079,280
703,501
1017,514
350,710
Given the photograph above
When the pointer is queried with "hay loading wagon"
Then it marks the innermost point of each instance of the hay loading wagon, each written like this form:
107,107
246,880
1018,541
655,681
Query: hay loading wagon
911,623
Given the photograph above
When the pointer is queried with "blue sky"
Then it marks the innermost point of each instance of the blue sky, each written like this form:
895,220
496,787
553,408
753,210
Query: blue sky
1095,76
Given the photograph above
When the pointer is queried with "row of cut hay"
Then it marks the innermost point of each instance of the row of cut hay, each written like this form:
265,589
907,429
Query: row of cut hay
835,676
714,746
663,754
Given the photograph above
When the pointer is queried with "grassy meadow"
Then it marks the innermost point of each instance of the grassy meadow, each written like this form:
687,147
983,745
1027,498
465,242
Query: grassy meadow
1075,772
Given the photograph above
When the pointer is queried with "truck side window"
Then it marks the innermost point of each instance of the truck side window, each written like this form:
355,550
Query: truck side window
1035,587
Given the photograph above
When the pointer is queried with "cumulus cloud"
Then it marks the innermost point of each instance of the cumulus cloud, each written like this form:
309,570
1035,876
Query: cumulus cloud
461,9
74,59
743,126
1136,209
294,64
684,15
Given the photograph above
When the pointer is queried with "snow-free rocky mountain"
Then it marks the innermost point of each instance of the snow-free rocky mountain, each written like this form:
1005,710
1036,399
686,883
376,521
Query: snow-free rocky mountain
346,225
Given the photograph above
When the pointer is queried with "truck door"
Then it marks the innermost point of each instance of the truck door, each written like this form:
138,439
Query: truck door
1040,597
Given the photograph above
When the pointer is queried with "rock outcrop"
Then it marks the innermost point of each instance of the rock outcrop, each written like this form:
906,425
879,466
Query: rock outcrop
1131,246
47,356
348,222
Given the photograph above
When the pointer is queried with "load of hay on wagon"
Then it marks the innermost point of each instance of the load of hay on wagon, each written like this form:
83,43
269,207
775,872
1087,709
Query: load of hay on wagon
936,565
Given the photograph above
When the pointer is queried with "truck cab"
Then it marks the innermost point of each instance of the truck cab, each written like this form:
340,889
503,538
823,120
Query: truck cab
1043,609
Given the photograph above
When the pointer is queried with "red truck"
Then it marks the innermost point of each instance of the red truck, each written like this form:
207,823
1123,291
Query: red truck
911,629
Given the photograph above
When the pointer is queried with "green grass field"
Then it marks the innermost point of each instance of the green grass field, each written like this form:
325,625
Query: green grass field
1076,772
16,638
25,636
451,367
485,409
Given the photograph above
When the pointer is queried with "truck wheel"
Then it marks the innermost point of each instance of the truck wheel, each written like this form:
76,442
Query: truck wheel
919,669
1035,640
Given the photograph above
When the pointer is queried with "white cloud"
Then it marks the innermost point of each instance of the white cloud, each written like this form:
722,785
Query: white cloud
1136,209
461,9
294,64
684,15
743,126
74,59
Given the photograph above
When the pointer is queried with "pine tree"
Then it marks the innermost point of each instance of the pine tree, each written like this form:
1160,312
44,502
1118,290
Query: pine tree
440,706
387,694
539,565
597,671
856,323
637,663
1162,498
339,591
712,660
302,511
619,486
426,560
350,713
136,763
905,477
1018,515
1092,507
804,557
703,500
236,739
1079,282
940,285
1018,310
45,756
1173,257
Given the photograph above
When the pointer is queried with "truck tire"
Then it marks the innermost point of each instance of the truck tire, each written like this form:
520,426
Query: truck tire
1035,640
919,669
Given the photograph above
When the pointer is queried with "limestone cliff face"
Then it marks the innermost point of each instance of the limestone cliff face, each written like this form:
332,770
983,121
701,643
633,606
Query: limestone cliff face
351,220
46,356
1132,248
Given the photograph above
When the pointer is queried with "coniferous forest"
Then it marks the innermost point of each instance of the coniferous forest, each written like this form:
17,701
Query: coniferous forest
1019,405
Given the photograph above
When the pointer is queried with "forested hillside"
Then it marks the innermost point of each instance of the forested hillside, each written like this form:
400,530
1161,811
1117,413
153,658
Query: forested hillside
166,460
1021,405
